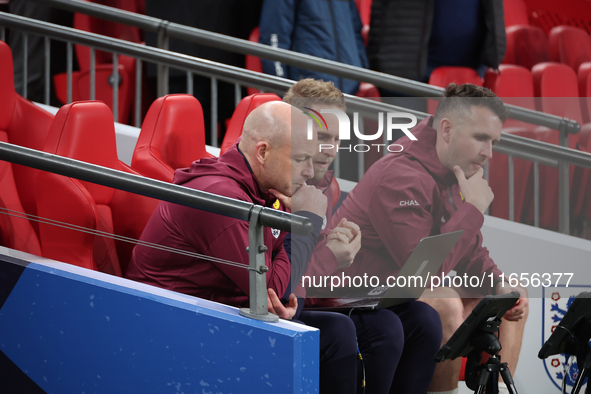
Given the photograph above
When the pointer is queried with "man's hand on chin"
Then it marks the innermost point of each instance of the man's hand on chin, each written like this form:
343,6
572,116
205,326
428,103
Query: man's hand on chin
306,198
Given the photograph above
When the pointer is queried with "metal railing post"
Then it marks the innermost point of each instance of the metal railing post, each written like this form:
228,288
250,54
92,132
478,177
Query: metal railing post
69,67
25,63
257,271
162,42
116,78
189,83
214,112
92,74
563,183
47,55
511,189
138,93
536,194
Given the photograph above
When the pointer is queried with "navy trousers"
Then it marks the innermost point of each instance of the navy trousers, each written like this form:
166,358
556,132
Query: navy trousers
338,350
398,346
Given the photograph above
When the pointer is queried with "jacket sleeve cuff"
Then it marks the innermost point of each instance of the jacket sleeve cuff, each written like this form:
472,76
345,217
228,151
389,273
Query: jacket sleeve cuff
315,219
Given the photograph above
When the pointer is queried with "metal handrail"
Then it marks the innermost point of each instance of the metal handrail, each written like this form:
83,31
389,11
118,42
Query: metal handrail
148,187
246,47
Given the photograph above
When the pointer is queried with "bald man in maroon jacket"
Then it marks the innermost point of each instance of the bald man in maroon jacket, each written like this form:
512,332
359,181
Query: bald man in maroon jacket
273,154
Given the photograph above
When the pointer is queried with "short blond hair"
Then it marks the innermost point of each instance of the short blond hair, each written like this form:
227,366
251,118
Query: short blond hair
324,93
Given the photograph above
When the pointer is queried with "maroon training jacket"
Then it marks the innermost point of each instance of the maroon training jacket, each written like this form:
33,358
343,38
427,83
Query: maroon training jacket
206,233
405,197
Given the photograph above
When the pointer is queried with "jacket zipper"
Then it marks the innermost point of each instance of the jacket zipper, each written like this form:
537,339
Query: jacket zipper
452,200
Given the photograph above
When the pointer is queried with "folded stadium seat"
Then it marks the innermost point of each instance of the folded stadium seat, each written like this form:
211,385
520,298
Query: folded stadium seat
172,136
515,13
526,46
104,62
253,63
584,77
85,131
244,108
364,8
336,191
556,90
585,141
443,76
21,123
514,84
570,45
16,232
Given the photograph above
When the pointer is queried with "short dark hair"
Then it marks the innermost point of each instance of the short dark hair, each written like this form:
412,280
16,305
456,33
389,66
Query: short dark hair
323,93
462,97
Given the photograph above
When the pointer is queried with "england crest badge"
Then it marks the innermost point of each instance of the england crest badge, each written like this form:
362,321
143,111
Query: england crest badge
555,303
275,232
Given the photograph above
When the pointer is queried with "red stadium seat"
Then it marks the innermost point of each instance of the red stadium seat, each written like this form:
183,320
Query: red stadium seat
85,131
244,108
515,13
336,191
25,124
570,45
443,76
556,87
515,85
104,62
510,81
584,77
172,136
16,231
526,46
368,90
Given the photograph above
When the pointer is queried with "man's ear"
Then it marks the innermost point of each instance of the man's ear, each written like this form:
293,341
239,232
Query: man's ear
445,128
261,151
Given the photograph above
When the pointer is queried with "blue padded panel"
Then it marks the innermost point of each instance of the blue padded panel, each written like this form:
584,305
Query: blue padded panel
75,330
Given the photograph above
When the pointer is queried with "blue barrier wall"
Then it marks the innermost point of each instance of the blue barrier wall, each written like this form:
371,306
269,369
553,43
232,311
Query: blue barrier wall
72,330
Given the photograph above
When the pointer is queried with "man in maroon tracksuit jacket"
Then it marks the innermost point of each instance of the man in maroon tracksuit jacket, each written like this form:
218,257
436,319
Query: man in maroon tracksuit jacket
397,344
435,185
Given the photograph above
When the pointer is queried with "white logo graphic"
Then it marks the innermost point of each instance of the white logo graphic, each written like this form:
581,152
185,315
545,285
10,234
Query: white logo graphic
409,202
275,232
324,222
345,129
555,303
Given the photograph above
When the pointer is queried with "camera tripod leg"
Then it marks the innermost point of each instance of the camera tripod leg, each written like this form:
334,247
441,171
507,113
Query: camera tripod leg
482,380
508,379
583,373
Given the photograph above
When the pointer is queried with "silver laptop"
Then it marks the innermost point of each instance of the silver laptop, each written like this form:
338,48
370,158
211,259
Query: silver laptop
424,262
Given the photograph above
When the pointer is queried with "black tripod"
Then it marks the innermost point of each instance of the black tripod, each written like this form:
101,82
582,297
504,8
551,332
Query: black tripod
481,376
